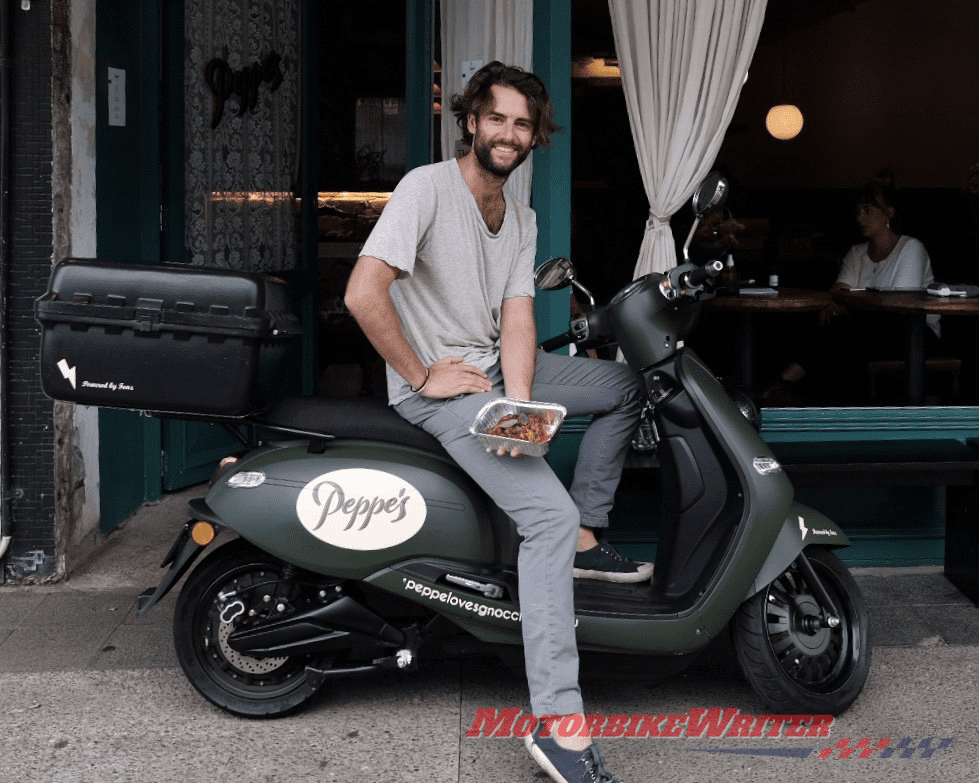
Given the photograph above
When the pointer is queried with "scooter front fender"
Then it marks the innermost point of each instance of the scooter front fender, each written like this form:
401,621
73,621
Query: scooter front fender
803,526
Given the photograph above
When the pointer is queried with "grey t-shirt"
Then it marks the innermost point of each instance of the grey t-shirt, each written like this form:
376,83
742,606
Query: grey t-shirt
454,273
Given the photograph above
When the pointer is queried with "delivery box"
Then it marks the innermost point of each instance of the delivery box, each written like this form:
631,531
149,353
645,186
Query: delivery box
168,338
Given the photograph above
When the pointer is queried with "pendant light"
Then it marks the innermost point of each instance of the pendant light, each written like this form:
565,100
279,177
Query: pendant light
784,121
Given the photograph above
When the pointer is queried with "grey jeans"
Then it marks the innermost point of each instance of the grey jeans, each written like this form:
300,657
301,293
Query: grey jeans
547,515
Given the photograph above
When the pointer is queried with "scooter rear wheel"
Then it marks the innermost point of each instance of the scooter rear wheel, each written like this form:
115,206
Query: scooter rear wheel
793,660
231,582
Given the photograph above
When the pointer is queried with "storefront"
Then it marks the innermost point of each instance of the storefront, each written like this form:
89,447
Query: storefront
279,128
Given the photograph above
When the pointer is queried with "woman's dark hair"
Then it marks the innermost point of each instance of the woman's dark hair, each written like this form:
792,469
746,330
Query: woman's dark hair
879,191
478,96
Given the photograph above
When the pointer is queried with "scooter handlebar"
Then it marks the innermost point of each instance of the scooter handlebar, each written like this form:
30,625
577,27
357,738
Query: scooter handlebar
558,341
700,275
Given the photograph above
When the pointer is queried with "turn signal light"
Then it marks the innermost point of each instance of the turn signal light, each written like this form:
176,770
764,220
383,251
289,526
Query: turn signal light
202,533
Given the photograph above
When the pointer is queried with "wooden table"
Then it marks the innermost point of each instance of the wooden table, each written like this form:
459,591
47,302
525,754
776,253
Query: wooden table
916,306
786,300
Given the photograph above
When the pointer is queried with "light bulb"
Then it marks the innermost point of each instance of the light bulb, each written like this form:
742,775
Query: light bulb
784,121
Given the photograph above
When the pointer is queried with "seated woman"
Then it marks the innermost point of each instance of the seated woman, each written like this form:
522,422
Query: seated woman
887,261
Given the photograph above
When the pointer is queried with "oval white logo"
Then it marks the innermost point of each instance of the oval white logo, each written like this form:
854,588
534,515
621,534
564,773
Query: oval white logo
362,509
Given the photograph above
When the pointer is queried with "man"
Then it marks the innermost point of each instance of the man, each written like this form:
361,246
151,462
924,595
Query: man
444,291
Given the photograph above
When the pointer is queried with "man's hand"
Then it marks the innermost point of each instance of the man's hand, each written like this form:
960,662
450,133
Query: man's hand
451,376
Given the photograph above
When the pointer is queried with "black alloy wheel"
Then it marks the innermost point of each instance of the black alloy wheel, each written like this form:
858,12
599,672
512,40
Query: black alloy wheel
234,585
797,654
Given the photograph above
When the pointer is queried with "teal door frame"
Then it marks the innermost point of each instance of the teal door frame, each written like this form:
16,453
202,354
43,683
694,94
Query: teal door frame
419,97
551,192
128,226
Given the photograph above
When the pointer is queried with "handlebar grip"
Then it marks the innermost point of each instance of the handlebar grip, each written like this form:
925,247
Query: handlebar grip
704,273
558,341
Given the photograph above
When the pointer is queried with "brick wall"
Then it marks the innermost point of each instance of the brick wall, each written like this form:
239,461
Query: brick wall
29,413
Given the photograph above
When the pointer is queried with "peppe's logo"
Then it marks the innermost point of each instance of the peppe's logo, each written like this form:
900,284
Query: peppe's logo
361,509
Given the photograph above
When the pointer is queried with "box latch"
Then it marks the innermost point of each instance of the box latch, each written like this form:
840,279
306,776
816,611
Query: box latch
147,315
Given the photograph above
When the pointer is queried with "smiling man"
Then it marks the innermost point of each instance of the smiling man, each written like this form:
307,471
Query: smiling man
444,291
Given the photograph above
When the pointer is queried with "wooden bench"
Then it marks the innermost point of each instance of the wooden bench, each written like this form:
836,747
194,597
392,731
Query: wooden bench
935,462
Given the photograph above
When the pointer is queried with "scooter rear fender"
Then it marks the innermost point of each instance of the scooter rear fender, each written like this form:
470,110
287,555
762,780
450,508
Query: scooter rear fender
803,526
181,556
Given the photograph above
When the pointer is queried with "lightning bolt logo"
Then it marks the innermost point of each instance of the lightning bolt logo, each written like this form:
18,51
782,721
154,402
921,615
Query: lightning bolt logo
803,529
68,373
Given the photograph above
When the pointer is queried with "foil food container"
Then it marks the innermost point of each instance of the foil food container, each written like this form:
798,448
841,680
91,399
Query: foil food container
552,414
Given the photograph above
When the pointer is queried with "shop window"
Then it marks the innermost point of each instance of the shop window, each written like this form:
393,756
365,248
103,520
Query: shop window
360,95
792,200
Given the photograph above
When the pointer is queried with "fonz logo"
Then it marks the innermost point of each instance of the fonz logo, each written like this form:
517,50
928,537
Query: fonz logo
361,509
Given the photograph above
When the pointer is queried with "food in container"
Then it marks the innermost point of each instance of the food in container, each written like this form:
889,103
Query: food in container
528,427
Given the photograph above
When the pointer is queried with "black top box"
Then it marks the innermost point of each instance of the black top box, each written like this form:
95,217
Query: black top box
167,338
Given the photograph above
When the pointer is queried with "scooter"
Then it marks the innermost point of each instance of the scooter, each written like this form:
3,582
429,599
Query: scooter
362,547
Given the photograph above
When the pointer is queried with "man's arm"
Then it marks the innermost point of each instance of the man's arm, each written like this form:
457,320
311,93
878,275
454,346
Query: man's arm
368,298
518,346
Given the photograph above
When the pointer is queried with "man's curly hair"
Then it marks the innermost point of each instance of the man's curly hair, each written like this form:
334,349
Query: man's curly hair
478,97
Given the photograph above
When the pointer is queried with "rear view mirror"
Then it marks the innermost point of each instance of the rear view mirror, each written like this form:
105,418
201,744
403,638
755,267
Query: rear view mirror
554,273
558,273
711,193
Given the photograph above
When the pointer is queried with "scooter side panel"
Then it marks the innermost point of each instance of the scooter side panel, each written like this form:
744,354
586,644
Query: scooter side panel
489,620
767,496
357,507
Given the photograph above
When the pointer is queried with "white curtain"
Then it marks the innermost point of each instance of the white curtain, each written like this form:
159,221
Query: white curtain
483,31
683,65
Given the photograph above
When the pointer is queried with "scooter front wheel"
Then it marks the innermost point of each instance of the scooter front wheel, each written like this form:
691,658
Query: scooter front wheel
233,583
798,654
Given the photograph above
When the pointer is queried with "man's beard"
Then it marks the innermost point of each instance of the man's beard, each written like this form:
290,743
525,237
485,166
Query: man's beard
484,154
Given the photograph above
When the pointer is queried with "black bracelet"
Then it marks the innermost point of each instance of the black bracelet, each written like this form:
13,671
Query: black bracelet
419,389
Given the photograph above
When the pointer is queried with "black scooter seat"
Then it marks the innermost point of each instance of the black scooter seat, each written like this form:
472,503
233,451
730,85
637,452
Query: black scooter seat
361,418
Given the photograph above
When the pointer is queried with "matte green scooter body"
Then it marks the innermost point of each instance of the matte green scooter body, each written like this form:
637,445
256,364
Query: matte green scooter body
462,533
445,510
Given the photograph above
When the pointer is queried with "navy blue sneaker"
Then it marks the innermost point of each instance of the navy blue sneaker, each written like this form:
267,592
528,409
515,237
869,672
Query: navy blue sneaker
568,766
604,563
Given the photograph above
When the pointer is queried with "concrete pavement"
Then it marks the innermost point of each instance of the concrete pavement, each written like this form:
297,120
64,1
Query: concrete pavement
90,692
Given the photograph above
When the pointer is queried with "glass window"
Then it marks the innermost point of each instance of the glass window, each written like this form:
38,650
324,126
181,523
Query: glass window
791,216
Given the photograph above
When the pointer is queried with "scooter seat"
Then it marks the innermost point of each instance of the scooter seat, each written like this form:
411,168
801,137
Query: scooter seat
350,417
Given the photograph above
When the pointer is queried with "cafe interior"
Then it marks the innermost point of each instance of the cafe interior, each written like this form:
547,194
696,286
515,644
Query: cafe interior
881,85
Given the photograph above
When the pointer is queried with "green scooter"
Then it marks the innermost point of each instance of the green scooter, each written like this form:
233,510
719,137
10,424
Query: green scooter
362,547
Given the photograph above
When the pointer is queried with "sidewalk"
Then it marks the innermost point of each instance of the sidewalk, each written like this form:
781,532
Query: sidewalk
90,692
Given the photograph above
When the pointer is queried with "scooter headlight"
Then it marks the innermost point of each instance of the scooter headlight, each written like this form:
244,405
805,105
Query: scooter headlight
247,479
766,465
